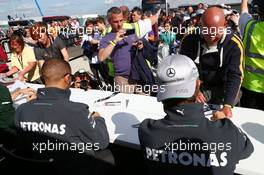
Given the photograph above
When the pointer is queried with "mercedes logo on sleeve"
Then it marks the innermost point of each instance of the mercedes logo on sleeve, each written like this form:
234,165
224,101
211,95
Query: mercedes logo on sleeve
170,72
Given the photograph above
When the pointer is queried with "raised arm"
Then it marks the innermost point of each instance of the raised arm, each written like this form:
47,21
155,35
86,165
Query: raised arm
244,6
154,18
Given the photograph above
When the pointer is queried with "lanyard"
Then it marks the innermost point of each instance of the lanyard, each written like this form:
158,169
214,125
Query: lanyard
49,53
20,60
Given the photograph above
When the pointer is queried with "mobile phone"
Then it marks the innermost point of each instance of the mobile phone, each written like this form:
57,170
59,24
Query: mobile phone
130,32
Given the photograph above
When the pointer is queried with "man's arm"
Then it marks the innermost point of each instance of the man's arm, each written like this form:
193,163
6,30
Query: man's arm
244,146
109,46
245,17
154,19
235,73
93,129
106,52
102,136
244,6
65,54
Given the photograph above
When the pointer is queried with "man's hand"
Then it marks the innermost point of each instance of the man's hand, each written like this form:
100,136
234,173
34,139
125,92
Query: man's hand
95,114
200,98
226,112
120,35
218,115
28,92
235,18
139,44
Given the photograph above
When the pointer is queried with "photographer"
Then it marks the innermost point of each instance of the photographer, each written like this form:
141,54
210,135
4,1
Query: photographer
82,80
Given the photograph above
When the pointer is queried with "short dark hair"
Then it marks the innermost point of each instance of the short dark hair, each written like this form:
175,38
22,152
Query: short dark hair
169,103
77,74
138,10
113,10
125,11
55,69
100,19
37,29
148,13
89,21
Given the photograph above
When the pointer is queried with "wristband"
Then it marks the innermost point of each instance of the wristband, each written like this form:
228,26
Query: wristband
226,105
113,43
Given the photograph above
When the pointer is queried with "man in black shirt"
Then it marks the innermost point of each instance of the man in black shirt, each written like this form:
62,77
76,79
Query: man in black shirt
47,47
54,115
185,142
219,54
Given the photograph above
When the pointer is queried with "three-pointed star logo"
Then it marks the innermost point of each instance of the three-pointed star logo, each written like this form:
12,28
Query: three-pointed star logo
170,72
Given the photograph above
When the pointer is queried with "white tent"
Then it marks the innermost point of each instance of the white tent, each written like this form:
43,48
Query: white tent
177,3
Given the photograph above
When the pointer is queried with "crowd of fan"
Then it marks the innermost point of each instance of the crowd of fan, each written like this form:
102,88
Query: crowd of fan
132,50
163,40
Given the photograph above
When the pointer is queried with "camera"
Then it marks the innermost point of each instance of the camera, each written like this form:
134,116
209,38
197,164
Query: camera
84,85
130,32
83,80
20,31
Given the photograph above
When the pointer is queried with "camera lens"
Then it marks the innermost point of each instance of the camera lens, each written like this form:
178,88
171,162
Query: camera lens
84,85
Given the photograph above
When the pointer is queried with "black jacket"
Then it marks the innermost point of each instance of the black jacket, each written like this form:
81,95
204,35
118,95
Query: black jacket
140,70
54,115
196,140
7,112
216,69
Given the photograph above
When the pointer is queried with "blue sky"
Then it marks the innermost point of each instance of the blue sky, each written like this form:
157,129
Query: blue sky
59,7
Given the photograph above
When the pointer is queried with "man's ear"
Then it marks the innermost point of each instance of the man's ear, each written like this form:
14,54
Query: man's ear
67,78
226,23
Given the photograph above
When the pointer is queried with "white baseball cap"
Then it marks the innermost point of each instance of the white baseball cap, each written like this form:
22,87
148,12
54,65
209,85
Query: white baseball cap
177,75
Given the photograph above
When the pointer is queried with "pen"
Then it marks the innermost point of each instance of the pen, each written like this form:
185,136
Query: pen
112,103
